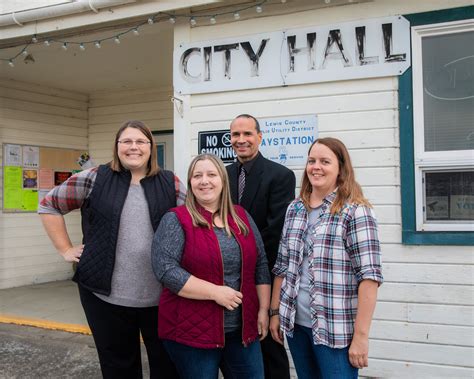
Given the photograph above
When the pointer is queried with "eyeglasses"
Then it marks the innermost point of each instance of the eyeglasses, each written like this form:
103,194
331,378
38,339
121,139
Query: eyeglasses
130,142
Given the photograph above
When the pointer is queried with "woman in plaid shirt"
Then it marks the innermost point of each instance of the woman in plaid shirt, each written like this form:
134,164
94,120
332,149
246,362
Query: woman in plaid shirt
328,269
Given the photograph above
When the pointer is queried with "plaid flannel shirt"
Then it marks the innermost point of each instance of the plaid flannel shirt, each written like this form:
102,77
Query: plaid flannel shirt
345,251
71,194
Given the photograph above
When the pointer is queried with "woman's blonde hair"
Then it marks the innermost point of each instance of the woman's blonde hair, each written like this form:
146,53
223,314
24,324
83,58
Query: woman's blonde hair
348,190
153,167
226,207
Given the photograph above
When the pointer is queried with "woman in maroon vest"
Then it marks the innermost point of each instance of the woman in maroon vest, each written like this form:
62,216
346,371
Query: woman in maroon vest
210,257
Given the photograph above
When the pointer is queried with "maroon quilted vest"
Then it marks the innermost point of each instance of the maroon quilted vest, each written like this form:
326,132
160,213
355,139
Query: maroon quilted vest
200,323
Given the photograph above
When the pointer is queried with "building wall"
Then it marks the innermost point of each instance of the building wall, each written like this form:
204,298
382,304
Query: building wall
108,110
40,116
423,322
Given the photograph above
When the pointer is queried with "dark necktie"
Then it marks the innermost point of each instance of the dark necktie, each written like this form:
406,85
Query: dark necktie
241,183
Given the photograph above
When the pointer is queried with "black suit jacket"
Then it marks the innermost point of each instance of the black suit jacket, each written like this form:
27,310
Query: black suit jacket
269,188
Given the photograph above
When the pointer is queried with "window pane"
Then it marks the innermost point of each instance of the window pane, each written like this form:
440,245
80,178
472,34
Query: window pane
160,150
449,196
448,93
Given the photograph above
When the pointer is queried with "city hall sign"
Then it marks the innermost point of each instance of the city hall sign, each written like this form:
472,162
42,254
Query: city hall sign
361,49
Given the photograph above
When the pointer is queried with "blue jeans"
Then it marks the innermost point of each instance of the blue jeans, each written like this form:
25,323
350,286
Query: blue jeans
318,361
234,360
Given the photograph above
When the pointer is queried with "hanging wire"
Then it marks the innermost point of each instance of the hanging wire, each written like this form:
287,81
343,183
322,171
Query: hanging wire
150,20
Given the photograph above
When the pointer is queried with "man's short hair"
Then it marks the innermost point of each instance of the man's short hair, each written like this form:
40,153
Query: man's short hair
245,115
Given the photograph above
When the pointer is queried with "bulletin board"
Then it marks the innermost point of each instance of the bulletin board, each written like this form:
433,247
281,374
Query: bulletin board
30,172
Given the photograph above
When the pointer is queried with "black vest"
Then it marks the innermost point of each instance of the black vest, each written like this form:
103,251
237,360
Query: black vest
101,220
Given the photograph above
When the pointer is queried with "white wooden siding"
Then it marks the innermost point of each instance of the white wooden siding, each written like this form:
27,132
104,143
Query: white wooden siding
109,110
37,115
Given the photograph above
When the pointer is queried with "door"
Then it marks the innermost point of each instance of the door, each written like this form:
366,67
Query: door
165,150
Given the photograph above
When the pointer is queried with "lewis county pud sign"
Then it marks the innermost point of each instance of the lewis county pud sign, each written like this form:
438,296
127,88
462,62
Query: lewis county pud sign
360,49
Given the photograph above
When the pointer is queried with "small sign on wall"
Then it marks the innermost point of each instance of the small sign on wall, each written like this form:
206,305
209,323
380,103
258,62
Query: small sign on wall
217,142
286,140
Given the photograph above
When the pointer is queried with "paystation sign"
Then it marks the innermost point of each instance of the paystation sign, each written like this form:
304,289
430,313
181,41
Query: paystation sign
353,50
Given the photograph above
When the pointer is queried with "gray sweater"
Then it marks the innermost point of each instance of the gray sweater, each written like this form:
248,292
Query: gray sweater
133,282
167,250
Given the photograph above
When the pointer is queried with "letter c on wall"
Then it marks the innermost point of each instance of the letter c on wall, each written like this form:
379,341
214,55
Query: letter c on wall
183,65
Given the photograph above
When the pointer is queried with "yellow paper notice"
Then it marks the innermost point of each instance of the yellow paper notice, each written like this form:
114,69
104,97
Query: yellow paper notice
12,198
29,200
12,177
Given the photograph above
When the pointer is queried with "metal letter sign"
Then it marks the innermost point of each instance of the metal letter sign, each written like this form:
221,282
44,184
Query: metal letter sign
361,49
218,143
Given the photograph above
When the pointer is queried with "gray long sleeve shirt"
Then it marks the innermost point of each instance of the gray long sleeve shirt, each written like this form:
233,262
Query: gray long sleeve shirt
167,251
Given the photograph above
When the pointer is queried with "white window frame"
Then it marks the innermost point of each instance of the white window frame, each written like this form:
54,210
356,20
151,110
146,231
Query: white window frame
438,160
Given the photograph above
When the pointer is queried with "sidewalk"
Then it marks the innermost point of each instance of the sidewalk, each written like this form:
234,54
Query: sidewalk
53,305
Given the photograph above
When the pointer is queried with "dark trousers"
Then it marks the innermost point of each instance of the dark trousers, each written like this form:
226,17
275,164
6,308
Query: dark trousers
116,330
275,359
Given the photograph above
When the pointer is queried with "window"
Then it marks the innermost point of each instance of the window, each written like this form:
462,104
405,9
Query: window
437,129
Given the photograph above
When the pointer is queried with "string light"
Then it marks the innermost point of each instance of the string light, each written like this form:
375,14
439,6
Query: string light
161,16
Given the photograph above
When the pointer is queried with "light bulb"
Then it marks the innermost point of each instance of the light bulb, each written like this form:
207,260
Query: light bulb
117,40
97,44
10,63
172,20
64,46
24,52
258,9
150,21
192,21
47,43
34,39
82,47
213,20
136,32
236,15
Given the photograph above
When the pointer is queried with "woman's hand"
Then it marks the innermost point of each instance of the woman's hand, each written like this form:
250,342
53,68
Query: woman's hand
227,297
277,335
73,254
359,352
262,323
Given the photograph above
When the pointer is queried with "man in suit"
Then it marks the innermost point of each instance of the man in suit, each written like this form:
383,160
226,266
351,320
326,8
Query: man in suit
264,188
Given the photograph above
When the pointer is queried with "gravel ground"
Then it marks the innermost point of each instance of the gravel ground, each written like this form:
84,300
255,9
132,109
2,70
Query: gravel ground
28,352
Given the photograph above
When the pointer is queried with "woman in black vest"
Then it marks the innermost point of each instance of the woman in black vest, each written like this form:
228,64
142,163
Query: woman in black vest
121,204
